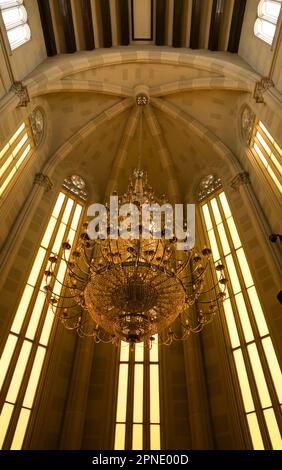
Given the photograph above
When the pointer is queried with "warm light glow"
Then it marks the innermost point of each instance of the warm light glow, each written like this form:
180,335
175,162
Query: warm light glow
244,316
34,319
268,152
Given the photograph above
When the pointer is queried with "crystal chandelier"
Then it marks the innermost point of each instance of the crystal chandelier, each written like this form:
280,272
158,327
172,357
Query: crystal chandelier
132,289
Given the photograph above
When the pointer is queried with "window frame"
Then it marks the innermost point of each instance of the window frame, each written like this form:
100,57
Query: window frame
7,6
243,344
262,19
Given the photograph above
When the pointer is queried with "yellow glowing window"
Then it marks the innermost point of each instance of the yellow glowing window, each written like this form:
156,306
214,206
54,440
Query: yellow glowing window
34,377
120,437
273,366
5,418
231,324
255,432
245,318
155,437
154,394
6,357
138,394
33,319
19,372
122,393
268,152
259,376
137,437
273,429
13,154
213,245
244,382
20,429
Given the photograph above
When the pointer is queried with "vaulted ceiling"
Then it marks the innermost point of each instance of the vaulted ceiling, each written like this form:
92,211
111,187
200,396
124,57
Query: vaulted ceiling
75,25
190,125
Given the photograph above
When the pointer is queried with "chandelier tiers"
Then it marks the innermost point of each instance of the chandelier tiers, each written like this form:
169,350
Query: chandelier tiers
131,290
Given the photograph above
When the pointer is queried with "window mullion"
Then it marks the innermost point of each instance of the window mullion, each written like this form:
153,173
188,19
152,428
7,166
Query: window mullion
130,399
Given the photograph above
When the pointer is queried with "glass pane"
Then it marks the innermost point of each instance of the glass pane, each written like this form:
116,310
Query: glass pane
37,266
17,133
273,366
244,317
19,372
120,437
154,394
225,205
34,378
14,16
6,357
7,181
232,329
154,351
155,437
122,393
20,430
223,239
67,211
273,429
5,165
48,233
124,351
5,418
260,154
138,394
22,309
76,217
257,310
139,352
243,380
59,239
216,212
137,437
233,233
20,144
259,376
23,156
213,245
58,205
274,178
255,432
262,126
233,278
244,267
47,327
4,150
60,278
276,163
263,143
207,217
36,314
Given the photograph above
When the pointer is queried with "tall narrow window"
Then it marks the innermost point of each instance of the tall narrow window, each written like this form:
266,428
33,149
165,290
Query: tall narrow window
268,153
15,20
267,17
24,354
252,351
138,405
13,155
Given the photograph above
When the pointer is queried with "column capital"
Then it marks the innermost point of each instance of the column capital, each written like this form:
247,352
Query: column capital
43,180
240,179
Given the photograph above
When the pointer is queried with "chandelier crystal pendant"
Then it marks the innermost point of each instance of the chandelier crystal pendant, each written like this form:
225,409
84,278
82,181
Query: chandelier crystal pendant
132,289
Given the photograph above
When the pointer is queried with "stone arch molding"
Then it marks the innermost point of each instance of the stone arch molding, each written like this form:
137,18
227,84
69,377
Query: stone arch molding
59,75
